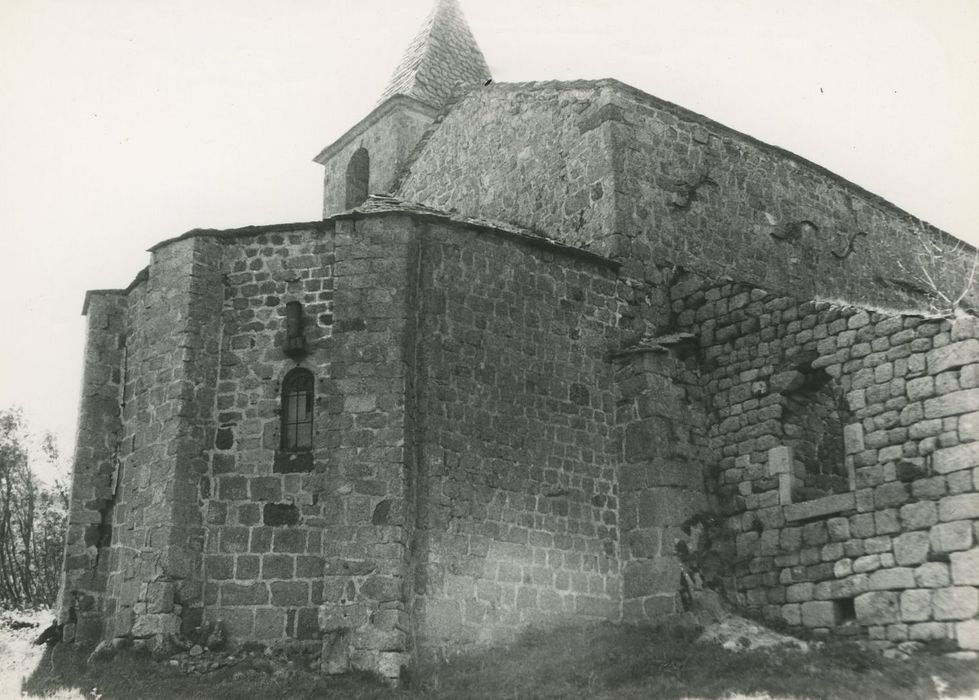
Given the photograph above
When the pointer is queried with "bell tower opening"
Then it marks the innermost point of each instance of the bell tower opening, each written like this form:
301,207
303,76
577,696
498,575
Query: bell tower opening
442,63
358,178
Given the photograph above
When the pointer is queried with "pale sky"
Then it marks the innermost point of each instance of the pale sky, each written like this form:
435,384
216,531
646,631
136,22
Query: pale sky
125,122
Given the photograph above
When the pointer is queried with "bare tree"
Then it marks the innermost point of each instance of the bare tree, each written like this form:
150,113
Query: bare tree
32,516
944,271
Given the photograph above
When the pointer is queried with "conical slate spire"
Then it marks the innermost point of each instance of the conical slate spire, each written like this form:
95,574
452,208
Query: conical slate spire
442,56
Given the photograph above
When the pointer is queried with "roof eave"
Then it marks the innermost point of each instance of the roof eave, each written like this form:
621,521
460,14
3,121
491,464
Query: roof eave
382,110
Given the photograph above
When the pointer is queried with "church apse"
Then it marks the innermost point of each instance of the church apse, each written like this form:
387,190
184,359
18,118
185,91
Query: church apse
541,330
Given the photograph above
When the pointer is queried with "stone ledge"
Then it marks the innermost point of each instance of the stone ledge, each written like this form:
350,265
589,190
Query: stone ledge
828,505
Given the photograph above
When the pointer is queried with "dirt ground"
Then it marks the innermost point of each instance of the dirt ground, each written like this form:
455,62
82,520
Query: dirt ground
19,658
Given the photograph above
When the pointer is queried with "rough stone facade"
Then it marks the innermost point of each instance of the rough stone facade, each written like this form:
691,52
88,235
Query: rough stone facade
628,384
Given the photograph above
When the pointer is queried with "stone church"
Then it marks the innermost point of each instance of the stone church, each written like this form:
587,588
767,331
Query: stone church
556,351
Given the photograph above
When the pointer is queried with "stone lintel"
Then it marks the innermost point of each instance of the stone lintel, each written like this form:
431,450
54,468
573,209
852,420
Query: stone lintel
828,505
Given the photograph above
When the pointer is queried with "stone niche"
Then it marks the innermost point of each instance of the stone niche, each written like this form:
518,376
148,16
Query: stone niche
813,416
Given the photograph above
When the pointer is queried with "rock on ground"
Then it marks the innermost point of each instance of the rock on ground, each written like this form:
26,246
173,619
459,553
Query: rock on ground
739,634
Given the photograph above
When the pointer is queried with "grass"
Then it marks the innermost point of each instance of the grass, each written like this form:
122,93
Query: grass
593,662
134,676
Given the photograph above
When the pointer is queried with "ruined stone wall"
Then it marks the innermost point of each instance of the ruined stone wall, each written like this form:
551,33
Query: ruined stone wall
893,554
94,475
517,512
604,166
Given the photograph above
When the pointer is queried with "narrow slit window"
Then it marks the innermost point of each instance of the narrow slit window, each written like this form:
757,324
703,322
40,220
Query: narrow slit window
297,410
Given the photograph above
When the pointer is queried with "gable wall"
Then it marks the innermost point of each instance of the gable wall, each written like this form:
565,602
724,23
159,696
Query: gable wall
521,157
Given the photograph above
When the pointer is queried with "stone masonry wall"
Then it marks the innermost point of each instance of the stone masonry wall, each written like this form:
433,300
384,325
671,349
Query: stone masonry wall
178,462
664,457
517,512
95,472
524,154
263,566
506,433
603,166
389,142
895,555
699,194
168,372
310,548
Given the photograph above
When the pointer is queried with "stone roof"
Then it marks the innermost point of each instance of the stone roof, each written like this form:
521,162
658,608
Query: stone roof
442,58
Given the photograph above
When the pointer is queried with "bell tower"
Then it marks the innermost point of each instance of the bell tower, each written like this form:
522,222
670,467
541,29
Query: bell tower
442,61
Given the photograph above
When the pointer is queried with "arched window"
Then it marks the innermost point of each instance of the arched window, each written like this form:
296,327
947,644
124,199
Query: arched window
358,177
297,410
